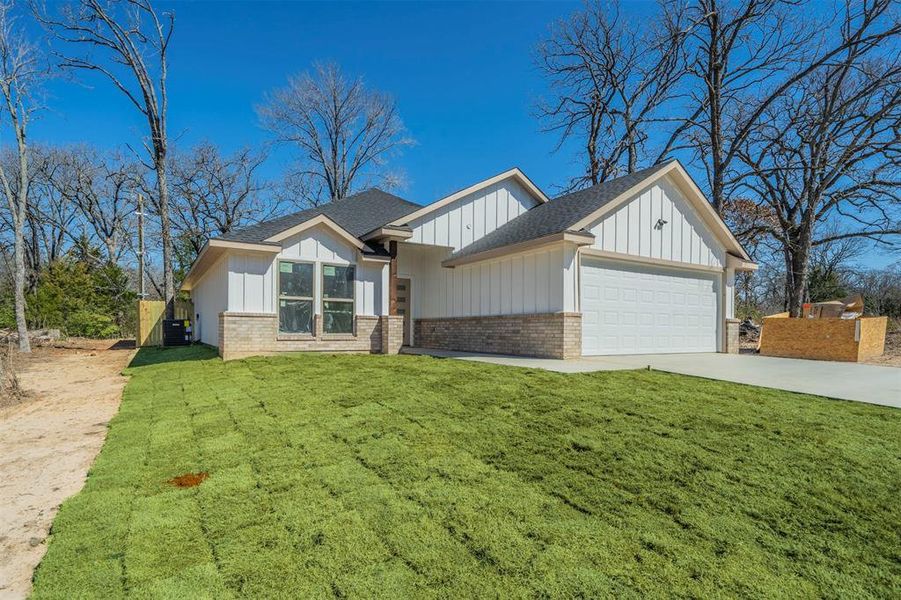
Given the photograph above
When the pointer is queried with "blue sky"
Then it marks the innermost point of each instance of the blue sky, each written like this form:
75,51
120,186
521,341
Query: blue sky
462,73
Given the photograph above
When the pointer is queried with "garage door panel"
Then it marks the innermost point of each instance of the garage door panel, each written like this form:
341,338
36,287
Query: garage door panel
634,309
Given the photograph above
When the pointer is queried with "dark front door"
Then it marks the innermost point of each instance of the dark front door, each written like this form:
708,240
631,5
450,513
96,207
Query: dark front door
403,306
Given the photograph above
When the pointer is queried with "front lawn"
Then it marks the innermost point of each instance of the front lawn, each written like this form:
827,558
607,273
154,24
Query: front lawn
397,477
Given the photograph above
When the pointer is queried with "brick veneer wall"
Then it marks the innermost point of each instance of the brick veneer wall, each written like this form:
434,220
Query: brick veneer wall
551,335
732,336
392,334
248,334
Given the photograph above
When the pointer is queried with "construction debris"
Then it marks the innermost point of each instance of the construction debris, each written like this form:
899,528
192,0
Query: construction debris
37,336
850,307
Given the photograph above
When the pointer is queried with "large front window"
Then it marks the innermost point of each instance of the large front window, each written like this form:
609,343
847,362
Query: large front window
295,297
337,299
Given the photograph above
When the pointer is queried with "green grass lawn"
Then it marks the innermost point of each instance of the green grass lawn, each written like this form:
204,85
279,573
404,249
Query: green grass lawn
396,477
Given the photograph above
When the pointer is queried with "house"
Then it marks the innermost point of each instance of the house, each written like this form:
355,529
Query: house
638,264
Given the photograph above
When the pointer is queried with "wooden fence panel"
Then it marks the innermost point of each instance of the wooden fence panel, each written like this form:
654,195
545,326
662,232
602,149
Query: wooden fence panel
150,320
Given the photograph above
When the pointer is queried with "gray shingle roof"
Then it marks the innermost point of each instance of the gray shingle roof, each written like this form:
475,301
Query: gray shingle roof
357,214
558,215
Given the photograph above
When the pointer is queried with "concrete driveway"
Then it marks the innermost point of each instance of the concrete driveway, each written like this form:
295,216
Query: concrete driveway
846,381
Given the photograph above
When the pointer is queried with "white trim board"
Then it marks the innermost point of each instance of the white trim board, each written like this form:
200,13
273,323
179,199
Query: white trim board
643,260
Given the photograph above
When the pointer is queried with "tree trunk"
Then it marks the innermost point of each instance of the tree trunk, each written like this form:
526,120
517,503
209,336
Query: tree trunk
162,189
22,208
797,264
21,323
633,152
714,82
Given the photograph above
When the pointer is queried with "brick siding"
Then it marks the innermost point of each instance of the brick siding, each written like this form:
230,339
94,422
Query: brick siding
392,330
248,334
732,337
550,335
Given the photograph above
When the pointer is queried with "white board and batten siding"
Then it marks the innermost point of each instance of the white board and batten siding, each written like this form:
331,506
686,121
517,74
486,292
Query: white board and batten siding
473,216
210,297
632,229
250,283
540,281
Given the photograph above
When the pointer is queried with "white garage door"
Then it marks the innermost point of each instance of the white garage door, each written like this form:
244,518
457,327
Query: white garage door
637,309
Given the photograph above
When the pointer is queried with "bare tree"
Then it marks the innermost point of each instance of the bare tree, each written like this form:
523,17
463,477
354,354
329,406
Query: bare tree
881,289
343,131
134,39
102,186
20,75
611,77
830,149
52,212
744,58
213,194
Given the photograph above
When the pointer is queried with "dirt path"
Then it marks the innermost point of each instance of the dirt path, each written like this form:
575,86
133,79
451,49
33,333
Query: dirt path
48,442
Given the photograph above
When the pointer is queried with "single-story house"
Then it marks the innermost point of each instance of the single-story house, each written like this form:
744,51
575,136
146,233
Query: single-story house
637,264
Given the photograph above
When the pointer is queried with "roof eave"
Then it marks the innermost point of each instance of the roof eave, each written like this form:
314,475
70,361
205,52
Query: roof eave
739,263
213,250
388,233
579,238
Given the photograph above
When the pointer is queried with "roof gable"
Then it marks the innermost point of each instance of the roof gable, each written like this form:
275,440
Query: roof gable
556,216
658,222
513,173
577,210
674,170
314,222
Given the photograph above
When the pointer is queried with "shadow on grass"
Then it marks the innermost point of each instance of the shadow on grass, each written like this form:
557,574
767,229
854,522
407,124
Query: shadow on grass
156,355
123,345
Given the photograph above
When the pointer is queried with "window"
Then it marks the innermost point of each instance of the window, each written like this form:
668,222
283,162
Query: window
337,299
295,297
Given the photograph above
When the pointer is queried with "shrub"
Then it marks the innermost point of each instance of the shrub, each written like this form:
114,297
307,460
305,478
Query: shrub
82,299
91,324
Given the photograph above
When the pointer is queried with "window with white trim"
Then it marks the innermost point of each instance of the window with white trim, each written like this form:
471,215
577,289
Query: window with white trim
295,296
337,299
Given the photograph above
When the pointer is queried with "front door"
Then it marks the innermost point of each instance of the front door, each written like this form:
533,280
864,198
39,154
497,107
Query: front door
403,306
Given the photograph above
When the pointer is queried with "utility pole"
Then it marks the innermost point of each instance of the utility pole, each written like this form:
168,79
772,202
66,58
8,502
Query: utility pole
140,214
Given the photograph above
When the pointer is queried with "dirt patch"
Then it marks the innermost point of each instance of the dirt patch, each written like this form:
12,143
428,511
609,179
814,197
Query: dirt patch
189,479
48,440
891,357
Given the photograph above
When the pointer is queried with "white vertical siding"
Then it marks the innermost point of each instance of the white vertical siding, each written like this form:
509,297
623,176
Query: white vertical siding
536,282
470,218
250,283
369,288
631,229
730,293
318,244
570,288
210,296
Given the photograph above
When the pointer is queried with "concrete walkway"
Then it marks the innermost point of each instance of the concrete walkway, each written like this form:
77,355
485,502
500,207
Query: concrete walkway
846,381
